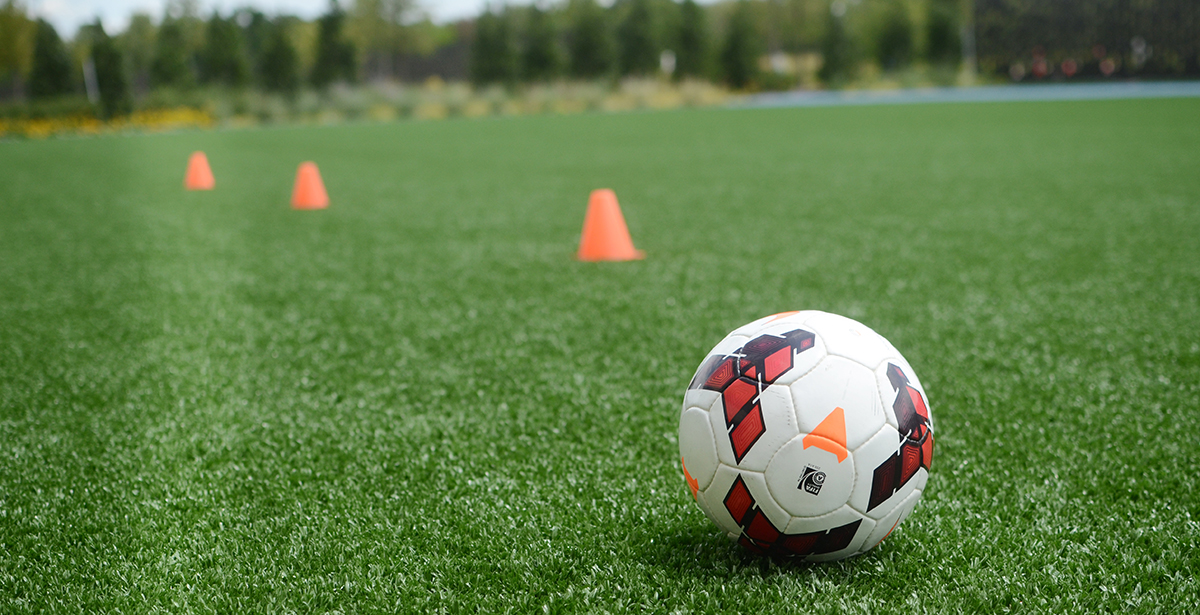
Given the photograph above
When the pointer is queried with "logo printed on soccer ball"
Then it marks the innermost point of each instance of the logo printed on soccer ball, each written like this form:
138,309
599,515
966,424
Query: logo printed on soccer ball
741,377
811,480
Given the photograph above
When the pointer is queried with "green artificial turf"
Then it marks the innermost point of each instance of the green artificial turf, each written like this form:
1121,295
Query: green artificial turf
417,400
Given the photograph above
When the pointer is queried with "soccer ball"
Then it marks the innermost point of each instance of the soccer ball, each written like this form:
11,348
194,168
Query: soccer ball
806,435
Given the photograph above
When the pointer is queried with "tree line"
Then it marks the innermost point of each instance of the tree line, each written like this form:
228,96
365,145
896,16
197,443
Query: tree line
184,50
724,41
741,43
730,41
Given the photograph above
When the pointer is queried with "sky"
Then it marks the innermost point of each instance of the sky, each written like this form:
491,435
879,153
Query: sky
68,15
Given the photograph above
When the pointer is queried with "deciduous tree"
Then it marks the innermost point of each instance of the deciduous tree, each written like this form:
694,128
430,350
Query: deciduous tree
16,44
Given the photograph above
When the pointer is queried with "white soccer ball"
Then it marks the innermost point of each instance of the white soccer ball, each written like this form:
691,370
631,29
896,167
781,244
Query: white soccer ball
807,435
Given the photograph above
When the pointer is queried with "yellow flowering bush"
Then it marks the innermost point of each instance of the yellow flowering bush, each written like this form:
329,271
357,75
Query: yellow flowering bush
433,100
149,120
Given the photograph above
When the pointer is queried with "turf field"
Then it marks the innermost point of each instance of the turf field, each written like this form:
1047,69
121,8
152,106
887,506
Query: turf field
417,400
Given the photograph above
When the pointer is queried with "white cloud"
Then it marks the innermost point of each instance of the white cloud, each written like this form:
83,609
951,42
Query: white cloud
68,15
451,10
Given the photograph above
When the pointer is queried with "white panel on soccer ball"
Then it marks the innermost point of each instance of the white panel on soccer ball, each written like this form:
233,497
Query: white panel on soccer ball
720,488
695,393
702,502
835,383
808,477
699,398
831,521
714,499
729,345
780,420
891,521
869,458
778,425
793,318
716,417
898,359
870,455
802,362
697,446
751,329
762,498
851,339
888,388
804,315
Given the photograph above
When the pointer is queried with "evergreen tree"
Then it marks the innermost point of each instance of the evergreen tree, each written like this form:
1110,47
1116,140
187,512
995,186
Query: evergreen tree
591,45
223,58
170,66
137,45
51,73
279,67
837,51
539,57
110,74
493,58
894,40
739,57
691,56
638,51
943,45
335,54
257,31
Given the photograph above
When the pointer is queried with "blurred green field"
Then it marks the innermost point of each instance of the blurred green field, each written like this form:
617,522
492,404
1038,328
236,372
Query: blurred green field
418,400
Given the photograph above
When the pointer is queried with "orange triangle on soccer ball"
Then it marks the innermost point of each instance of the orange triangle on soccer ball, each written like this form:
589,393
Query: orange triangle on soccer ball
830,435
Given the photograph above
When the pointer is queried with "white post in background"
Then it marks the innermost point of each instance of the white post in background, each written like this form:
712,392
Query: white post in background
666,62
89,81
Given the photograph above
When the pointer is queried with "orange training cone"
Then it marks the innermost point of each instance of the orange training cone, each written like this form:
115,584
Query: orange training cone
199,175
605,236
309,191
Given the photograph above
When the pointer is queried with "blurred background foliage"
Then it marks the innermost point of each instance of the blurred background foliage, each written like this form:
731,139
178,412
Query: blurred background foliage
387,58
